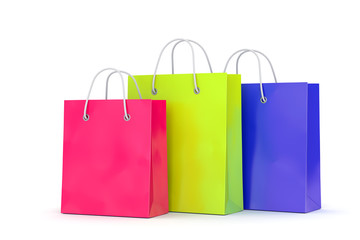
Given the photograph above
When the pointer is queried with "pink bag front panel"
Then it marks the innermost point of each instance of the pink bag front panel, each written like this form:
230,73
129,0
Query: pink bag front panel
107,160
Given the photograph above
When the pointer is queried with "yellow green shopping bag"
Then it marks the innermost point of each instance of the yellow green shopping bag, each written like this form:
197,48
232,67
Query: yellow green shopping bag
204,137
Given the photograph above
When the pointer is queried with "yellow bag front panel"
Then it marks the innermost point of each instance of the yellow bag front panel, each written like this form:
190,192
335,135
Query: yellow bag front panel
204,157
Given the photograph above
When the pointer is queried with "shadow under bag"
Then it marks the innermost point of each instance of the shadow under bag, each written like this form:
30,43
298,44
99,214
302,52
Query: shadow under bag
281,145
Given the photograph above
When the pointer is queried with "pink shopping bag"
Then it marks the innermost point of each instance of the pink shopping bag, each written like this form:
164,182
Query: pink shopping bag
115,157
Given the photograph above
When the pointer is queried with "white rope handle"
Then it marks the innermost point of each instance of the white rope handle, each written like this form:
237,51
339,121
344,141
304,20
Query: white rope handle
108,78
126,115
196,89
271,66
173,50
263,99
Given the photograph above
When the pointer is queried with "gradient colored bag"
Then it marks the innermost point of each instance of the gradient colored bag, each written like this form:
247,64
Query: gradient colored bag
281,145
204,138
115,157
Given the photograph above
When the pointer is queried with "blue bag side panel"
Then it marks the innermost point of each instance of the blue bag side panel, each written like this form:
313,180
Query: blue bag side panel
313,201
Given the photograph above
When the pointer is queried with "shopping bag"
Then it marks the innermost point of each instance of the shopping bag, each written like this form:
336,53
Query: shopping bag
115,157
204,137
281,144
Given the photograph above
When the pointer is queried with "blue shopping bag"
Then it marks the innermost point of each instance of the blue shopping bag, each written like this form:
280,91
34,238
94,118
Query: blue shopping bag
281,145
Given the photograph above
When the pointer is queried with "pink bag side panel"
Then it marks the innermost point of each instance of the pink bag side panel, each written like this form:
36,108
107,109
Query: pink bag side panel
107,160
159,195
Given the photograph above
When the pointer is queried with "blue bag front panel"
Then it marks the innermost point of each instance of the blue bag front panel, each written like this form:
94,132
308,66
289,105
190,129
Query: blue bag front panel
275,146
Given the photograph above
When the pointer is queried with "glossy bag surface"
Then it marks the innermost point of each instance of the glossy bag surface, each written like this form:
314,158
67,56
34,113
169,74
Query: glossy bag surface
204,140
112,166
281,147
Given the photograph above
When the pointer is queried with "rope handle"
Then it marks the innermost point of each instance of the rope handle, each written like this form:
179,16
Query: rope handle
154,91
268,60
108,79
263,99
127,116
192,41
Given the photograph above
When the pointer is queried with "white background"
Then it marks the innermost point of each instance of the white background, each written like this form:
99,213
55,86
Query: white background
50,50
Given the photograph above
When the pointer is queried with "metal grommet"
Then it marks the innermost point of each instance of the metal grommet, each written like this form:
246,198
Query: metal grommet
86,117
197,90
127,117
154,91
263,100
